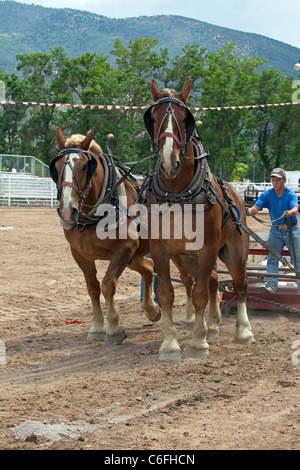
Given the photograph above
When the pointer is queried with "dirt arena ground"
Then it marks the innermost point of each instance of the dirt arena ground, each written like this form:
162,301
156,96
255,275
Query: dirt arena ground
57,391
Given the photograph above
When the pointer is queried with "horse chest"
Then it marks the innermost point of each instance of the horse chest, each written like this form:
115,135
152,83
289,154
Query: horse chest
88,245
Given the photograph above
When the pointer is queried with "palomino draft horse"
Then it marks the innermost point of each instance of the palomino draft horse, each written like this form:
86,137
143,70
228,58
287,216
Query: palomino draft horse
183,176
85,179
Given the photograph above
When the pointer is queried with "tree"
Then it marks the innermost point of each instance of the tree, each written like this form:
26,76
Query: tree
40,73
234,134
229,82
137,64
12,115
277,128
189,64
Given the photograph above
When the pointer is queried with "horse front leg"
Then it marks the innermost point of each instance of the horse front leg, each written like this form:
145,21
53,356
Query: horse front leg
243,331
122,254
236,264
198,346
169,349
144,266
97,331
206,285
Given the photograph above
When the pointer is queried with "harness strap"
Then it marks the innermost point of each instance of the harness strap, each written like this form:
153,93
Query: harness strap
108,192
174,137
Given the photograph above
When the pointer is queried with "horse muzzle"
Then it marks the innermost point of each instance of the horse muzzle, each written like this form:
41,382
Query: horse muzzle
170,170
68,214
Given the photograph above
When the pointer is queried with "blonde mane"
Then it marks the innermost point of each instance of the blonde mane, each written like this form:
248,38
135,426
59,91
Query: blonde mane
166,92
76,139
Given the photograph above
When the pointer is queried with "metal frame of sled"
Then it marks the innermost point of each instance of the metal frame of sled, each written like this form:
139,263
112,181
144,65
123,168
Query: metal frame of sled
285,299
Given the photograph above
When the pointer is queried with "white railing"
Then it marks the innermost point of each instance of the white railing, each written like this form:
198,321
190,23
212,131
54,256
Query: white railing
25,164
260,187
18,189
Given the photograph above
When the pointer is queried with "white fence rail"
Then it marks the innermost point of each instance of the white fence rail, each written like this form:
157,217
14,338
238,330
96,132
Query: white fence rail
19,190
260,187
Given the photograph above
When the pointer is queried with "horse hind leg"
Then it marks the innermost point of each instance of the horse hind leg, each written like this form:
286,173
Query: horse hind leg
188,282
214,313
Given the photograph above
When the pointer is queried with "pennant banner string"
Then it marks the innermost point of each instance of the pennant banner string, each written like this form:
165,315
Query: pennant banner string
110,107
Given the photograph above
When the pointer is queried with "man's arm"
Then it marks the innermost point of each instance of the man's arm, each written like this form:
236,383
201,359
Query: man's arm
254,209
292,211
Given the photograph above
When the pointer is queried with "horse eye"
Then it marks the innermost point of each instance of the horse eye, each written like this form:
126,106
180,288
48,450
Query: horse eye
84,168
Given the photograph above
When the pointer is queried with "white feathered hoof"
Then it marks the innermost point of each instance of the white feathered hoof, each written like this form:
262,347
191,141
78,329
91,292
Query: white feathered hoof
116,338
170,356
193,353
170,350
244,337
96,336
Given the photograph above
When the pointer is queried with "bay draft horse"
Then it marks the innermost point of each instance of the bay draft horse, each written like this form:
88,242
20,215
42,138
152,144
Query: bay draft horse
82,173
183,176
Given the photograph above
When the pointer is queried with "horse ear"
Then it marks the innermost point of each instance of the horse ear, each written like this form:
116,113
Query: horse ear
186,90
60,137
155,90
88,139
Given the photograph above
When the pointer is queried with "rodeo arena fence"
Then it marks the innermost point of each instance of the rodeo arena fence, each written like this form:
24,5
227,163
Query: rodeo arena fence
25,181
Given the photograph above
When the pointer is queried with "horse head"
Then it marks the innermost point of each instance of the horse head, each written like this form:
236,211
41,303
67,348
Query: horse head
170,125
72,171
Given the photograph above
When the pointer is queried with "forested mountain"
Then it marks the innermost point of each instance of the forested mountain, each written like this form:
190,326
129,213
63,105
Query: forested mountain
28,28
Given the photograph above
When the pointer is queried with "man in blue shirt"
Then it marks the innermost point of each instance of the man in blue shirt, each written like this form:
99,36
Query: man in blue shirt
281,202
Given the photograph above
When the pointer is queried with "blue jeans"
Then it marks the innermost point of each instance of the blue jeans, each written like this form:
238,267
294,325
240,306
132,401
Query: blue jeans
278,239
154,286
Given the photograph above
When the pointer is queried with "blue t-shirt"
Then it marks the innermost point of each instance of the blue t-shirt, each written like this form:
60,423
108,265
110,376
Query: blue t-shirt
278,204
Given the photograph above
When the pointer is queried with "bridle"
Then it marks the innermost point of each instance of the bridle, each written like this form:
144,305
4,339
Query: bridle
92,164
182,141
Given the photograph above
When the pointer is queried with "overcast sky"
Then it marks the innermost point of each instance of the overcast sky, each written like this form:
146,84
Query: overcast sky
277,19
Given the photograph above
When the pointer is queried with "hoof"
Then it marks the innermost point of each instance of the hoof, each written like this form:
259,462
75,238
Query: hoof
247,340
96,336
116,338
193,353
173,356
154,315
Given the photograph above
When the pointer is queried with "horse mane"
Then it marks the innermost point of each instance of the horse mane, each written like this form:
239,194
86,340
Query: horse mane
76,139
166,92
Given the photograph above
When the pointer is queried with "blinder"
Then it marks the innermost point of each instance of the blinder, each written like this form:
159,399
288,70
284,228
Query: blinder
189,121
92,165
